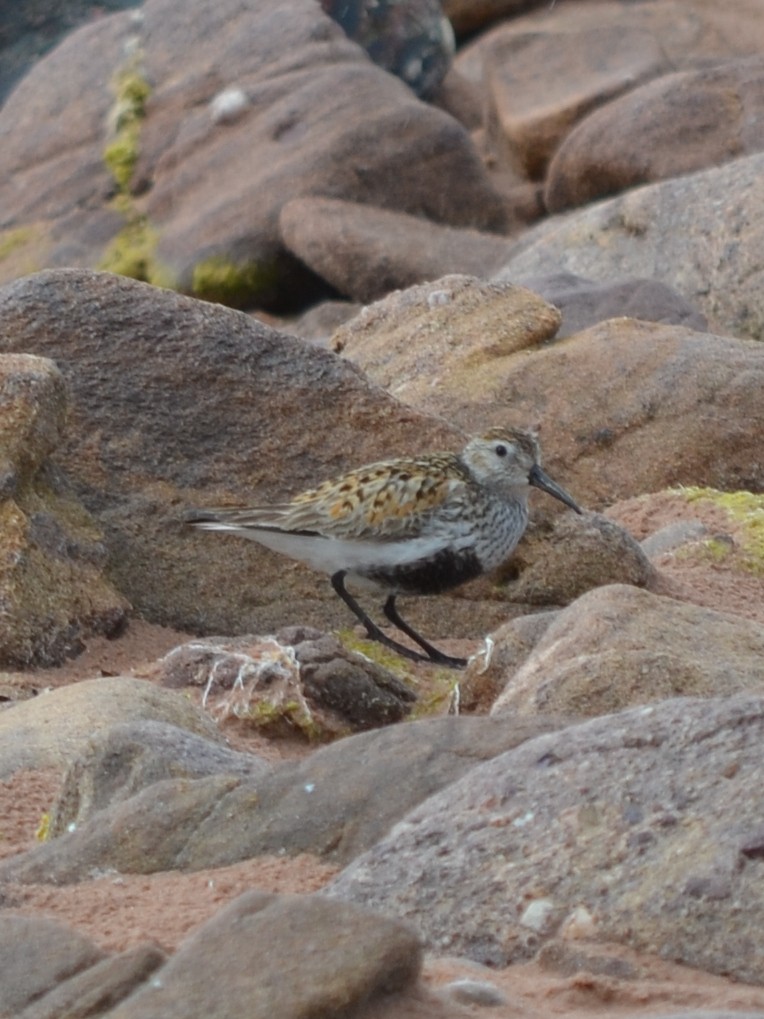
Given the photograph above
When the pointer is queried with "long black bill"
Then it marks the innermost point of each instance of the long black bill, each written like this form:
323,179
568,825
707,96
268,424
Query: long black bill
542,480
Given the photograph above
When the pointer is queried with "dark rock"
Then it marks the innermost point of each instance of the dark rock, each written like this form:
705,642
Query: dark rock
31,30
560,560
412,40
299,679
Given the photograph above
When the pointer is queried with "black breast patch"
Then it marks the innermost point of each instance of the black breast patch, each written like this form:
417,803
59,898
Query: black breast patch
443,571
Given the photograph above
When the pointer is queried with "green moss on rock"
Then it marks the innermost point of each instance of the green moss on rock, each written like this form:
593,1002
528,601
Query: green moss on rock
131,92
132,252
236,285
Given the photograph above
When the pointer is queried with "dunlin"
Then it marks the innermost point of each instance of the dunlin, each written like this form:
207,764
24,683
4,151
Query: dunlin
409,526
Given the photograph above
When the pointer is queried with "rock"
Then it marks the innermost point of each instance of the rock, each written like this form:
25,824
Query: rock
318,323
583,303
412,40
151,439
462,99
717,112
56,727
705,544
617,646
143,834
52,585
561,560
120,761
714,213
613,403
298,680
153,182
546,71
476,992
580,67
606,400
468,16
102,985
364,252
35,954
335,804
293,956
438,337
341,800
650,819
506,650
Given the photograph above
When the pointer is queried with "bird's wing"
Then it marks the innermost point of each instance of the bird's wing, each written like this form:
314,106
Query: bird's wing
385,501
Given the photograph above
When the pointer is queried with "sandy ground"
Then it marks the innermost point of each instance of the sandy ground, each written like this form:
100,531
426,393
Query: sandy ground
584,979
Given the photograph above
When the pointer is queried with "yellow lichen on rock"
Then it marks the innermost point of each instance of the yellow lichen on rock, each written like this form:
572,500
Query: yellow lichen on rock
746,512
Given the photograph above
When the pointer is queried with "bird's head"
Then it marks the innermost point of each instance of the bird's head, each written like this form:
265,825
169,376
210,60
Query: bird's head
509,461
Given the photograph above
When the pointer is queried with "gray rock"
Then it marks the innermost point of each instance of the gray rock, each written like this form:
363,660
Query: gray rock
35,955
672,536
293,956
318,323
335,804
583,303
145,834
647,232
650,820
53,729
342,799
93,991
120,761
476,992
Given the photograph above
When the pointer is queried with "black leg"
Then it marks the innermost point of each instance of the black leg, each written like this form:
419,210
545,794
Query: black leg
338,583
432,652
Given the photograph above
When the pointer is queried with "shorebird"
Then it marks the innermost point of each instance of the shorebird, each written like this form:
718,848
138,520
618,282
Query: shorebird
409,526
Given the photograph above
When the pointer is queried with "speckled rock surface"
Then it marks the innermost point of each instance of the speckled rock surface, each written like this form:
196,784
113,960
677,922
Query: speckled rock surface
648,821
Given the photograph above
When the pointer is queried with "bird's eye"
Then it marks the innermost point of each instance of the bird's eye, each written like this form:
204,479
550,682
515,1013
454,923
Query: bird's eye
500,450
